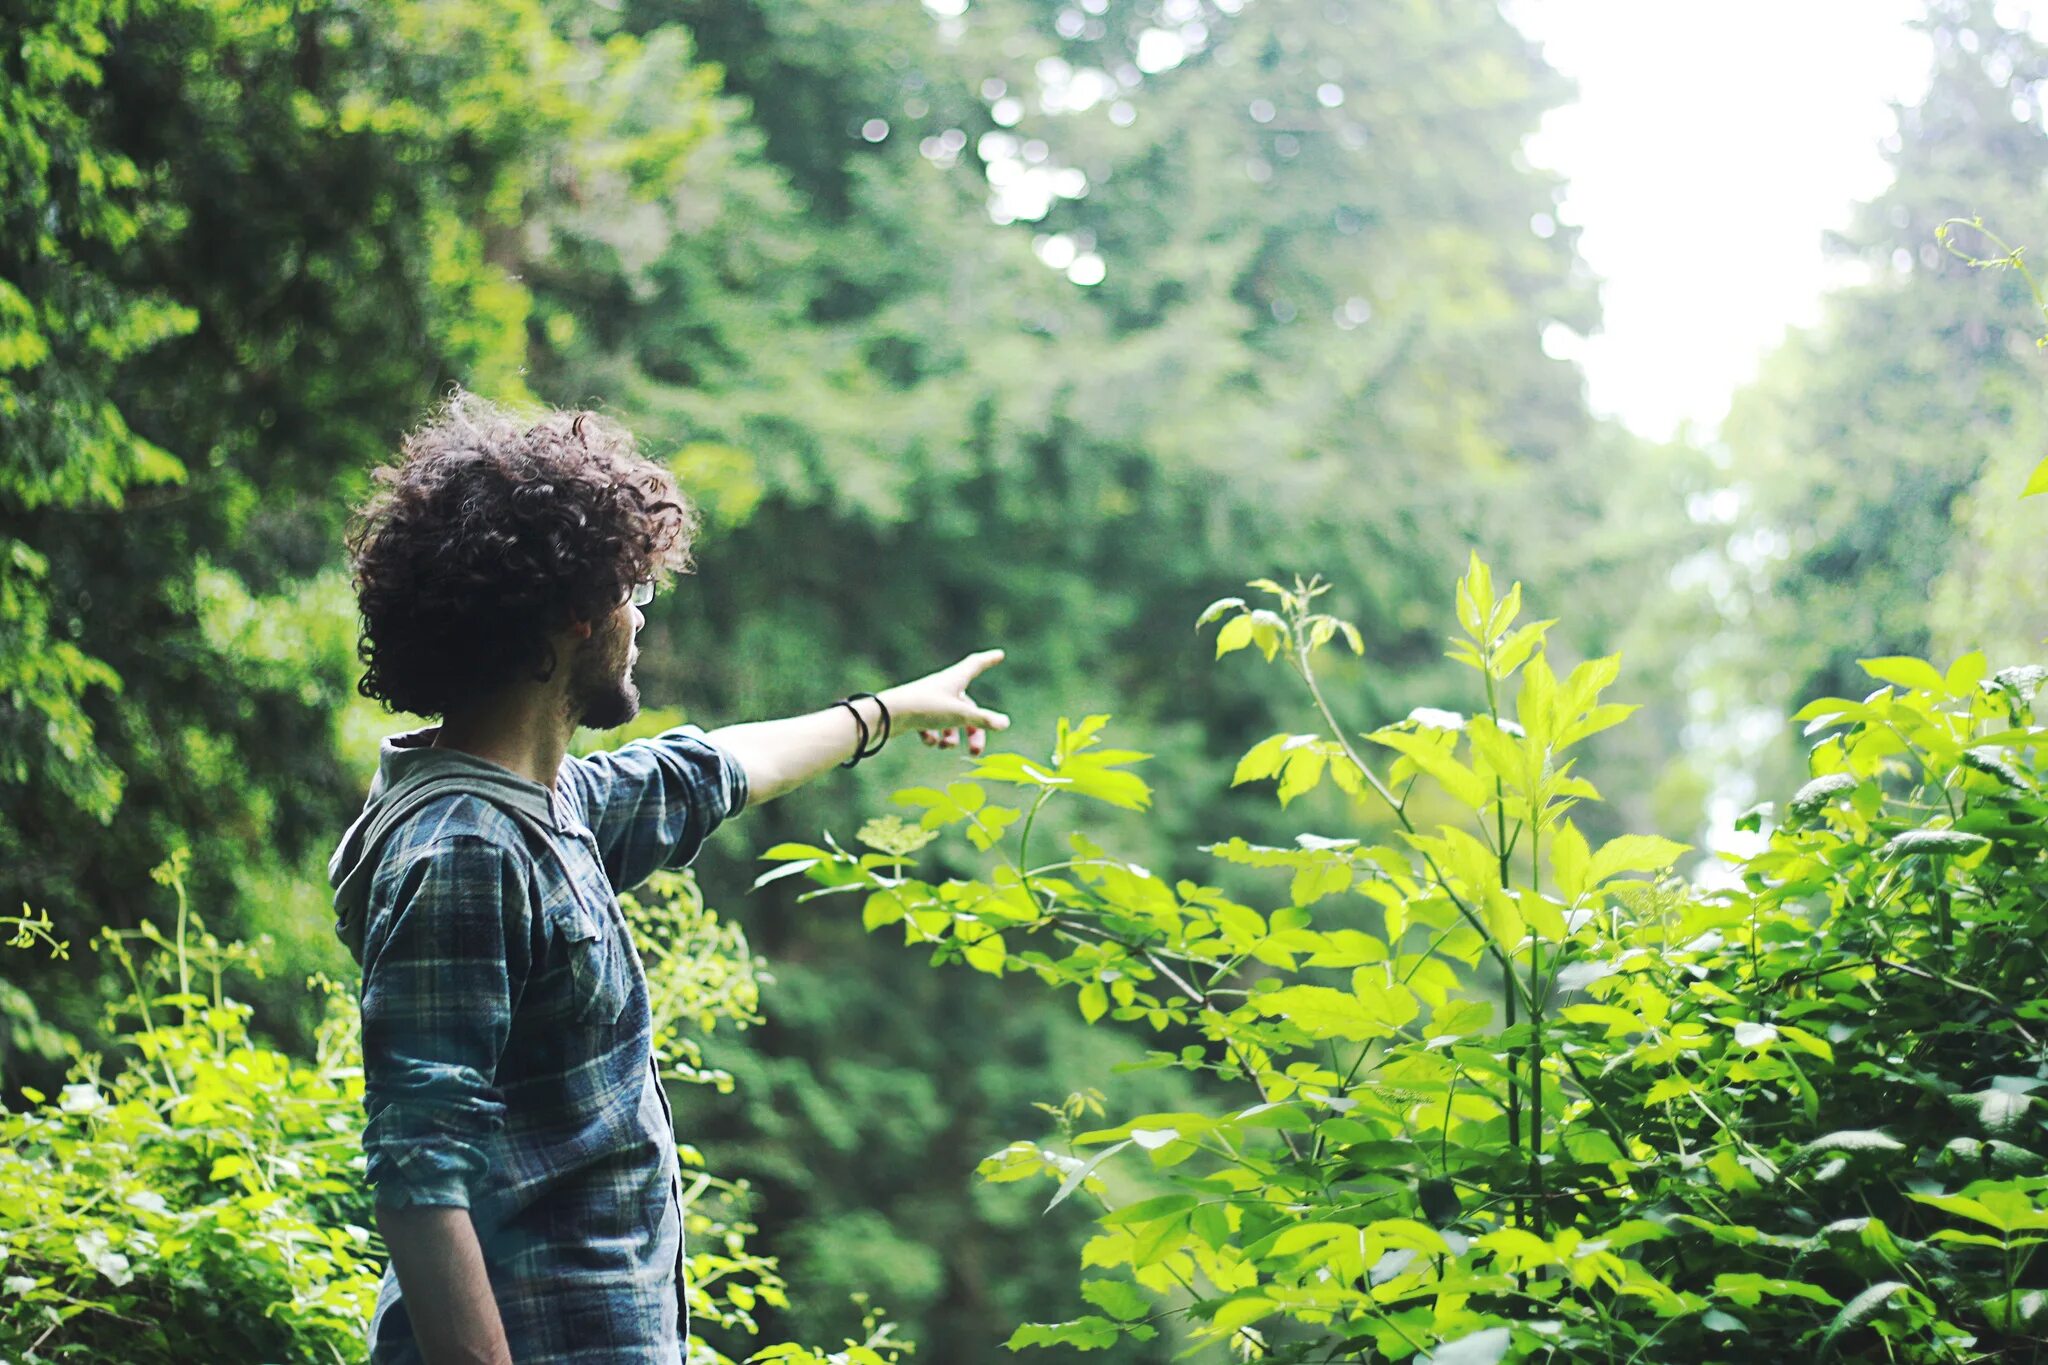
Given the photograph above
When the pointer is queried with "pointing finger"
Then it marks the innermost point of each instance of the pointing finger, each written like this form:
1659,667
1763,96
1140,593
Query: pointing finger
981,661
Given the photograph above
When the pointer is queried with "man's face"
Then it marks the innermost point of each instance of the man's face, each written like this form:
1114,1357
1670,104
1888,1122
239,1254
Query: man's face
602,693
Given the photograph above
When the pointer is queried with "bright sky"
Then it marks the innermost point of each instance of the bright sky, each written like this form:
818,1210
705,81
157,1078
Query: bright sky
1713,142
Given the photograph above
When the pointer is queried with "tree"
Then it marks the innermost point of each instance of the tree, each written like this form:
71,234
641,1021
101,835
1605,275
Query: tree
1879,453
245,247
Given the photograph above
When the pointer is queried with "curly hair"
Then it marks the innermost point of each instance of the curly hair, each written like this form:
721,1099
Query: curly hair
491,533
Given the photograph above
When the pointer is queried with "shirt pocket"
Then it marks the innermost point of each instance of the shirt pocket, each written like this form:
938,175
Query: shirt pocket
599,983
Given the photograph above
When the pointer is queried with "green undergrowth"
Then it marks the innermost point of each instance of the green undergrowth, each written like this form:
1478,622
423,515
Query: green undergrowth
1487,1090
197,1194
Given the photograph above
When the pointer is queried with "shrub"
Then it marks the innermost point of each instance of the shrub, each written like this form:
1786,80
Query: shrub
201,1202
204,1201
1492,1092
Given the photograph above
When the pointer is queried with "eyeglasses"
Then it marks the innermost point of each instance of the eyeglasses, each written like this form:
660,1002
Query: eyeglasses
642,594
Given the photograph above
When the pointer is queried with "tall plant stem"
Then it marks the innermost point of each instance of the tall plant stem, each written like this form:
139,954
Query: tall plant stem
1511,982
1535,1037
1493,945
184,968
1023,862
1507,990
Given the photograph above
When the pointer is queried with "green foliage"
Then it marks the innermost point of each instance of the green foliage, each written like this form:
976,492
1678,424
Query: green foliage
202,1197
1489,1089
245,245
200,1201
66,322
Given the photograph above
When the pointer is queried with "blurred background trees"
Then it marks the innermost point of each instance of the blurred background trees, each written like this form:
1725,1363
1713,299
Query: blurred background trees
1032,323
1873,447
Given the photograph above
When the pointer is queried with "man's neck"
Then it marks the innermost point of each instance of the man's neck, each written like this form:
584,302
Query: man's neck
525,728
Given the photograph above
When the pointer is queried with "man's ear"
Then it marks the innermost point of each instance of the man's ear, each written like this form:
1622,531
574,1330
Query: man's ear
579,629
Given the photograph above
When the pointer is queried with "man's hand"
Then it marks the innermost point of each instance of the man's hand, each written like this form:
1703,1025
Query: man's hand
938,708
781,755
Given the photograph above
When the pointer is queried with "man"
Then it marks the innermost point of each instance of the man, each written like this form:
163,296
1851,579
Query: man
518,1141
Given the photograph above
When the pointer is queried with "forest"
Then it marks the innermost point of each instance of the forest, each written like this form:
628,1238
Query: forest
1465,882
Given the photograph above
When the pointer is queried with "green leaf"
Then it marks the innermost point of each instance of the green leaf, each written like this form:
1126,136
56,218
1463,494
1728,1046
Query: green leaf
984,954
2037,482
1306,1237
1115,1297
1814,797
2001,1113
1090,1333
1304,771
1503,917
785,851
1082,1172
1932,842
1859,1310
1242,1312
1977,1239
1475,597
1235,635
883,908
1570,862
1261,760
1634,853
1995,1156
1016,770
1322,1012
1916,675
1269,631
985,830
1390,1002
1852,1140
1965,673
942,808
776,874
1099,774
1216,609
1150,1210
1504,616
1543,915
1536,703
1514,651
1487,1347
1430,751
1992,761
1747,1289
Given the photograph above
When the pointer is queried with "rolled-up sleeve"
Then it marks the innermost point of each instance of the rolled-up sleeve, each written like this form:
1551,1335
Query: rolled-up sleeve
445,946
652,803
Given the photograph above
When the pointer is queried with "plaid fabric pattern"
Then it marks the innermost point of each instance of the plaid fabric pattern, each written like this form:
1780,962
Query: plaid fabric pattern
507,1055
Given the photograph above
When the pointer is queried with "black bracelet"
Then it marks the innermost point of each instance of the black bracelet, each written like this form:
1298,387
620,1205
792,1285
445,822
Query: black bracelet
862,750
860,743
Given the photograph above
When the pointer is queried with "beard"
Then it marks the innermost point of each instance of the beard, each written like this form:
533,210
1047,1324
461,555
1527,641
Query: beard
602,693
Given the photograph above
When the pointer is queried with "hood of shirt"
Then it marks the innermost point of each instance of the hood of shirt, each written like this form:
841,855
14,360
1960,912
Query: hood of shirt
411,774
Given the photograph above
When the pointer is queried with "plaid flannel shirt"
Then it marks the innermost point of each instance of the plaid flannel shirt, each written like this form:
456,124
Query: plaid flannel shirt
507,1048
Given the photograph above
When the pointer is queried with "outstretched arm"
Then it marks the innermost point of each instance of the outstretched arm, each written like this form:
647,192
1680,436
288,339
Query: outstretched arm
779,756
